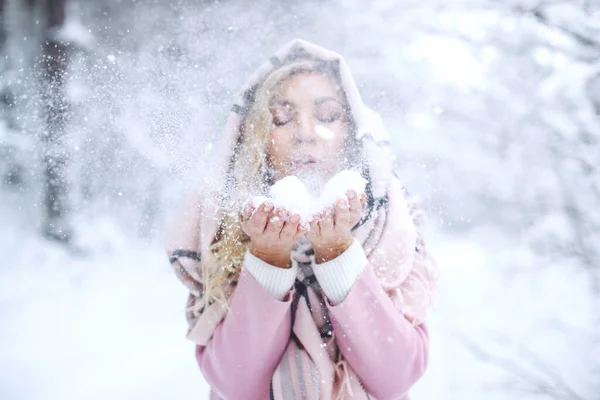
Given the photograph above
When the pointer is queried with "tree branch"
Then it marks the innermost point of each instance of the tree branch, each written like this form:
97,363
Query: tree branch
554,387
538,14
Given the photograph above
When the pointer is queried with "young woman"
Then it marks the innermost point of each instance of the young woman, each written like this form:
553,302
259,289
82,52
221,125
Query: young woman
281,308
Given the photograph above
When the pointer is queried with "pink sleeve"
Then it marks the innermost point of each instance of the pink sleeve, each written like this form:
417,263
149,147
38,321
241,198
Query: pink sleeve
385,350
241,357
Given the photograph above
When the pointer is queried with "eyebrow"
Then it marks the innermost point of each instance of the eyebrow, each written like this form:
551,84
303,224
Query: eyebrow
318,101
280,102
325,99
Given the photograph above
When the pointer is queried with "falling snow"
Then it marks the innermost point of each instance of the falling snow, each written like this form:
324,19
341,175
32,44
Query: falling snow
494,124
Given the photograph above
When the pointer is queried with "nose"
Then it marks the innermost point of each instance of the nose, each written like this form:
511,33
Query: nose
304,129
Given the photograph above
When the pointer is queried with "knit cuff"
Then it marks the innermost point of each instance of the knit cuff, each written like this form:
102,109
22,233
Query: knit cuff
276,281
337,276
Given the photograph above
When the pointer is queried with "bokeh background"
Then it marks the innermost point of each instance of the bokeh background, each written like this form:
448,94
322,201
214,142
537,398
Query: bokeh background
110,112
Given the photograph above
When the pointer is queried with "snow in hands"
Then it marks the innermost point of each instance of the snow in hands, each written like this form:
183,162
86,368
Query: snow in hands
291,194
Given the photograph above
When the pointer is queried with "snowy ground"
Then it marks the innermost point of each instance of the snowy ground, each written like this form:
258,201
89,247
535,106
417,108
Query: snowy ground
110,324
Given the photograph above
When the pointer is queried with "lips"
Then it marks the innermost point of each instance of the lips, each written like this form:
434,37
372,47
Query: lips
304,161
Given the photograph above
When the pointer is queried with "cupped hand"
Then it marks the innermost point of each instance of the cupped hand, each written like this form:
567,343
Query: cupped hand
330,231
273,232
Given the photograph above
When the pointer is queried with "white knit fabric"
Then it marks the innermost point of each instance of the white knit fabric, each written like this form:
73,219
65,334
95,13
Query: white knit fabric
337,276
276,281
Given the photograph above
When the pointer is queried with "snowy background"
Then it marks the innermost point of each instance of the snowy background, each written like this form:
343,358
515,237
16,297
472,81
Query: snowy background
495,110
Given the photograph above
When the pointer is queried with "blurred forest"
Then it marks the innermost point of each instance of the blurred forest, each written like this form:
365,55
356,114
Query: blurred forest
110,111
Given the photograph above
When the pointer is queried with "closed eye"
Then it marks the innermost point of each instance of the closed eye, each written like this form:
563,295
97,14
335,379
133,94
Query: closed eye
282,113
329,119
328,112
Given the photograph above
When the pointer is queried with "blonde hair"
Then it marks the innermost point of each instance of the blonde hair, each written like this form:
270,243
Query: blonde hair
249,174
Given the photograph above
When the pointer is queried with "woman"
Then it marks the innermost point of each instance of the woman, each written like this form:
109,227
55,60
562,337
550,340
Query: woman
332,308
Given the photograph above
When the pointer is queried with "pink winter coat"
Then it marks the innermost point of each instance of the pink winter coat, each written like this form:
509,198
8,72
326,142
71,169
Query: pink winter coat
371,345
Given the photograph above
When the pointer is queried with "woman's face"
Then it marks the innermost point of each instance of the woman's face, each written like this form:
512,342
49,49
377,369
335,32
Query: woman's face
309,129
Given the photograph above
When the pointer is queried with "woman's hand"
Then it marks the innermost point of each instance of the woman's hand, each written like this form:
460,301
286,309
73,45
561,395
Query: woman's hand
330,233
273,233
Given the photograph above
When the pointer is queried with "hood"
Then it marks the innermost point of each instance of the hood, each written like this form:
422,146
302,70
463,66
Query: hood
369,124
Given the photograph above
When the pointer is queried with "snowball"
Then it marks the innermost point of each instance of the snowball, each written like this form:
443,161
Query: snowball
291,194
339,184
324,133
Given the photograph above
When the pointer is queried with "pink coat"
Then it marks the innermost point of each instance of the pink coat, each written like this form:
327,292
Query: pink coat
373,345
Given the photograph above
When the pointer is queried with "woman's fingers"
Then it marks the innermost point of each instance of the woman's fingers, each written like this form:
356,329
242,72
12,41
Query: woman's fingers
354,201
314,230
278,225
258,220
355,206
301,231
246,212
274,225
347,211
326,223
343,217
290,228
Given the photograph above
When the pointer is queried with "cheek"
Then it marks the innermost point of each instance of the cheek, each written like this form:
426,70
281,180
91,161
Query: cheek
335,145
279,147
